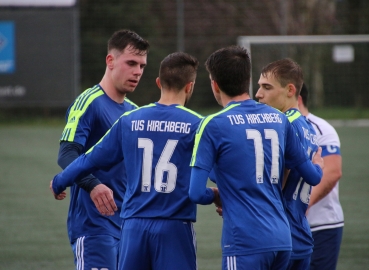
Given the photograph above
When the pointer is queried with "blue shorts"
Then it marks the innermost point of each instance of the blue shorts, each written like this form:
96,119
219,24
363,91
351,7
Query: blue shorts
326,249
96,252
274,260
299,264
157,244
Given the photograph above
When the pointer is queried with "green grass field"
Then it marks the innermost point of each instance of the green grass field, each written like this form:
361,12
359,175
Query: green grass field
32,224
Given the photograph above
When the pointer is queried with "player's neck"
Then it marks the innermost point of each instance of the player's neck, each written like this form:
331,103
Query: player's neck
290,105
112,92
226,99
304,111
172,97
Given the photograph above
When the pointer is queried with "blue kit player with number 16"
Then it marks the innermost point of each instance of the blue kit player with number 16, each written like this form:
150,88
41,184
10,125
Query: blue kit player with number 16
155,142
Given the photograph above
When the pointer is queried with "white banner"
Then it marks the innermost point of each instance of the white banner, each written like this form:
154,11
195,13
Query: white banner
38,3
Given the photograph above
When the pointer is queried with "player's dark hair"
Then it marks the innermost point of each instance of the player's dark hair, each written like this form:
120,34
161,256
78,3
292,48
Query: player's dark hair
178,69
285,71
123,38
304,95
230,67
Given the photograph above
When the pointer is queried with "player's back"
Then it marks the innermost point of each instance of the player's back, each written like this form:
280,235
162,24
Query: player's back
297,192
157,149
250,142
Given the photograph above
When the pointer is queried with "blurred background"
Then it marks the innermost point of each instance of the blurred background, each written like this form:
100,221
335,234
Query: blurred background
50,51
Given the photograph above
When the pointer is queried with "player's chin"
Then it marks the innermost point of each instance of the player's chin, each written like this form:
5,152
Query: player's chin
127,90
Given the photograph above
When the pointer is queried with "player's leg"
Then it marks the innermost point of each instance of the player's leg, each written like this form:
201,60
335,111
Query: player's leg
265,260
281,260
300,264
173,245
326,249
96,252
134,249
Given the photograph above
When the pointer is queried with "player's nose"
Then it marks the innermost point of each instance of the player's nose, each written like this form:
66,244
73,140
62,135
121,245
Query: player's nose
258,94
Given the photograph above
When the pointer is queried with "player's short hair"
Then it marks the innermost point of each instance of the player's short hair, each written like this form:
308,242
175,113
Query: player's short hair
285,71
123,38
177,69
304,93
230,67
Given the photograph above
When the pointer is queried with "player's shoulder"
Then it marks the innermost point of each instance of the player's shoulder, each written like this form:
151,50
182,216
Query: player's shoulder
87,98
189,112
327,134
264,108
300,121
294,115
138,110
322,126
131,103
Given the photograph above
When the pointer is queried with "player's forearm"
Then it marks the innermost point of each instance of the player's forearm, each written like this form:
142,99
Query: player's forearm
198,191
78,169
312,173
332,173
70,151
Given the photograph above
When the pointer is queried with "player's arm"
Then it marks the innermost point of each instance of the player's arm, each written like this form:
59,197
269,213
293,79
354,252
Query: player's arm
198,191
101,195
312,171
68,152
296,157
79,168
332,172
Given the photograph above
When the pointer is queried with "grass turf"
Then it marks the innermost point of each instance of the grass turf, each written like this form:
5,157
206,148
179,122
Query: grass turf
33,224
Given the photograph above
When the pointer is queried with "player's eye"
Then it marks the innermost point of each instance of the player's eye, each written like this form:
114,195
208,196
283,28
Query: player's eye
131,63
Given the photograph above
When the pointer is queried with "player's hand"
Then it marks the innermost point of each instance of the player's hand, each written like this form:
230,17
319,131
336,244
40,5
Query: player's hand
60,196
217,201
317,158
219,210
102,196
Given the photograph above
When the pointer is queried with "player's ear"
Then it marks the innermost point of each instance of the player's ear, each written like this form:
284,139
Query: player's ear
110,61
215,86
189,87
299,100
291,90
158,82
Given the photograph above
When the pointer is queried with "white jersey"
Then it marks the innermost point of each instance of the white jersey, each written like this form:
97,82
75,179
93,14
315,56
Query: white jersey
327,213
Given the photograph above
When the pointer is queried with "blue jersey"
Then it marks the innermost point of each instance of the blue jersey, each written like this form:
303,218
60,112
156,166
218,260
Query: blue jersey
155,142
297,192
90,116
248,144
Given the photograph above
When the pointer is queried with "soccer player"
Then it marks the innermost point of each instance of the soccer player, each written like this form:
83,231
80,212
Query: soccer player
94,238
247,144
325,213
155,142
279,86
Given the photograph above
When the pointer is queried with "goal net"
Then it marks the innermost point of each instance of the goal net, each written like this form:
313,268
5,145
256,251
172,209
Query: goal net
336,67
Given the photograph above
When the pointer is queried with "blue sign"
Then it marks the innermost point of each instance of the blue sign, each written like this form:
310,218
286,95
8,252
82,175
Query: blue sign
7,47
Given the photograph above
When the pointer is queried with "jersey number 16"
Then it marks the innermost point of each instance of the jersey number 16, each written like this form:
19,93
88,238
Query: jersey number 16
160,184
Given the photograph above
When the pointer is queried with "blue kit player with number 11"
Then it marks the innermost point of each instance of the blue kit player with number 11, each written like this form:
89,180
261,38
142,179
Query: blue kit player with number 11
247,144
155,142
